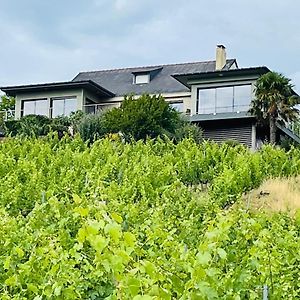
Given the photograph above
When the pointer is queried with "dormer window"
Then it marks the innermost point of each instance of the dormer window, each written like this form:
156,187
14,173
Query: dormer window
141,78
145,75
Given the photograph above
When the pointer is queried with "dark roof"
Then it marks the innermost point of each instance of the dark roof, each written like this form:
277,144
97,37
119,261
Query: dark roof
87,84
184,78
120,81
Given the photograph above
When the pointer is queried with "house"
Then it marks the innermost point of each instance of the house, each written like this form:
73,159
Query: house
214,94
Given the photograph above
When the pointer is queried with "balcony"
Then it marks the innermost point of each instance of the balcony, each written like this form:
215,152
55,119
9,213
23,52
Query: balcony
97,108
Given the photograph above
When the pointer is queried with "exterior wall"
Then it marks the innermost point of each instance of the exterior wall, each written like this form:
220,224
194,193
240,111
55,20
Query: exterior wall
78,93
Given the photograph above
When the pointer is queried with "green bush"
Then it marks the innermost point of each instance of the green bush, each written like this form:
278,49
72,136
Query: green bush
91,127
120,221
12,127
37,125
60,125
30,125
142,118
187,130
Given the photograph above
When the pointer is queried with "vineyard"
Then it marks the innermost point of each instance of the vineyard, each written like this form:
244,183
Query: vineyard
143,220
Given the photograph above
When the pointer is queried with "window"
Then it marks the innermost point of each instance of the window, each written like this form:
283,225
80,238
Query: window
177,105
141,78
206,101
63,106
35,107
242,97
223,99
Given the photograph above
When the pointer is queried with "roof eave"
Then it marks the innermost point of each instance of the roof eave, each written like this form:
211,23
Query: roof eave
185,78
88,84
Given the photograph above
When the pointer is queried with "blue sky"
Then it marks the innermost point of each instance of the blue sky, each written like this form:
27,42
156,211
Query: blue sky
45,41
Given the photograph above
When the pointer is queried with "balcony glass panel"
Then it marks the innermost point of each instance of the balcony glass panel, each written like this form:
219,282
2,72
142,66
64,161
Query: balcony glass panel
242,97
206,103
224,97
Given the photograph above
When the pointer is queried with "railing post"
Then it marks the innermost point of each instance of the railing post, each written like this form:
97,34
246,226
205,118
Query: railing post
265,292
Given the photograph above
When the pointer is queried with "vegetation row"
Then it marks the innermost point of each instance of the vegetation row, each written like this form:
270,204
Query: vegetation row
142,220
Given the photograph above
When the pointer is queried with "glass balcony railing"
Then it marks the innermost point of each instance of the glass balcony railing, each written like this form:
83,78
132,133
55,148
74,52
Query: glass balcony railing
96,108
223,109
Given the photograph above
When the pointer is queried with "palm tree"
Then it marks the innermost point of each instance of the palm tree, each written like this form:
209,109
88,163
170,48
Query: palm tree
274,101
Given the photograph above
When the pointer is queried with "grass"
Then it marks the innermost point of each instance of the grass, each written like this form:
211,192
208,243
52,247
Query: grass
276,195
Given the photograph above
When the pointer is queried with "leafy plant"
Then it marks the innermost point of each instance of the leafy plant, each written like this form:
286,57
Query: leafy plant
147,116
274,100
7,106
115,220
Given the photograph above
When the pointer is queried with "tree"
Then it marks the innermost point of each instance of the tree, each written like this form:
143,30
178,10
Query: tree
147,116
7,107
274,101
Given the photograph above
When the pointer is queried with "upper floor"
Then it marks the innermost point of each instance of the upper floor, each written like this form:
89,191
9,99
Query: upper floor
199,88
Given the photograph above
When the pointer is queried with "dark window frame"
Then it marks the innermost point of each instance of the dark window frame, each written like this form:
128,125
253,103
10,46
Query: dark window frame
23,101
53,99
198,106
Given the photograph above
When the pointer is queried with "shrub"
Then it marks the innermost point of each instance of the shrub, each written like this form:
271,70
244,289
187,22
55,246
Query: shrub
30,125
91,127
232,143
12,127
35,125
61,125
147,116
188,130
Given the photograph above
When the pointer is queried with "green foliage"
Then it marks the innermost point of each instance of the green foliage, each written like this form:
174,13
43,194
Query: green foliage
129,221
147,116
274,100
186,130
7,103
139,119
7,107
91,127
36,125
274,96
12,127
287,143
30,125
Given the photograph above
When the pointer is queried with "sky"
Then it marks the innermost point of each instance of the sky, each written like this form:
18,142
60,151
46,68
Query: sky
49,41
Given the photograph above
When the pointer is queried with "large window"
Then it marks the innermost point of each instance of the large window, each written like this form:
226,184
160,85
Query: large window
35,107
223,99
63,106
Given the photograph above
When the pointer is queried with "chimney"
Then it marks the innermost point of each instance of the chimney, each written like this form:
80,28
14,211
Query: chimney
220,57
